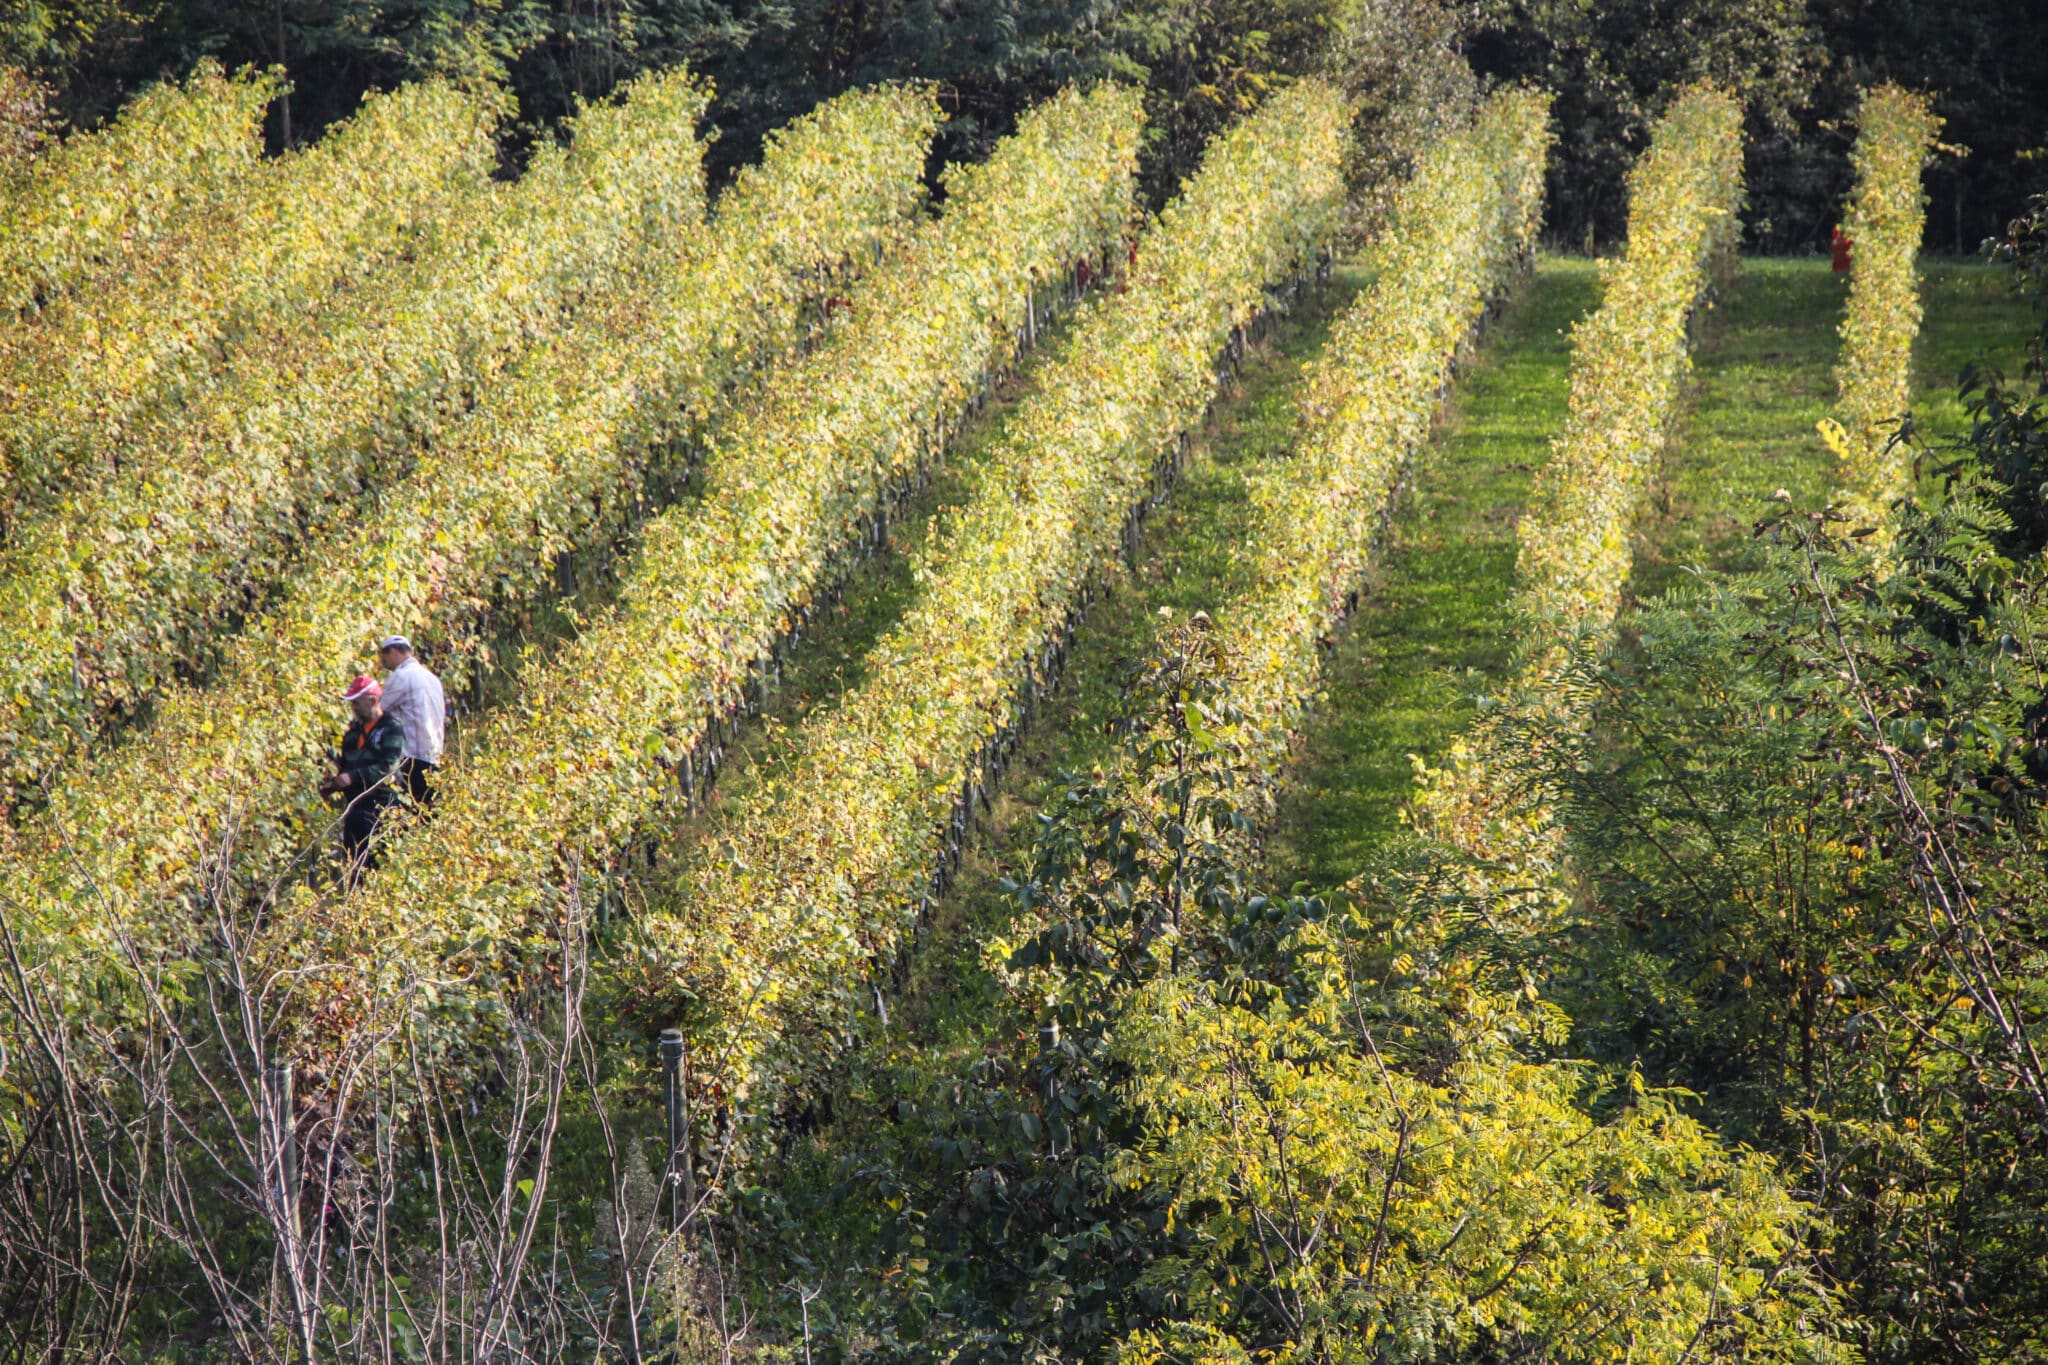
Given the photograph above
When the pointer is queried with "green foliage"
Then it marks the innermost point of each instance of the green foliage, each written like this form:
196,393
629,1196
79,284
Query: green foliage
2008,438
1616,70
1628,360
795,478
1809,822
1220,1125
1435,629
24,126
1884,222
67,44
1342,1210
231,484
74,209
822,871
1200,66
1984,63
1456,234
1801,69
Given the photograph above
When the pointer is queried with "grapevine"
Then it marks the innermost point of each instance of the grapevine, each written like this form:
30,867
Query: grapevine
551,460
112,590
1886,217
815,874
1628,362
620,719
82,204
1460,228
265,256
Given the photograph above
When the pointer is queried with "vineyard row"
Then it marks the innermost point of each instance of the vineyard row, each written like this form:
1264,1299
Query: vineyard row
1629,361
820,872
1885,221
1463,227
611,728
141,577
248,269
1497,1144
84,204
556,457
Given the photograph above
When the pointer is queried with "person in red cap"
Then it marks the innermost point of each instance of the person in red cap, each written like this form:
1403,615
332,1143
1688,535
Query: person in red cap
363,771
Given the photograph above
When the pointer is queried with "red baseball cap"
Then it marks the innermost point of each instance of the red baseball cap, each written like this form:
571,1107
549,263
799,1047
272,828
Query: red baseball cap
363,686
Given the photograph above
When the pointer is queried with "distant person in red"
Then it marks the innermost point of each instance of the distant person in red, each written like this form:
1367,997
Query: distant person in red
366,769
1840,248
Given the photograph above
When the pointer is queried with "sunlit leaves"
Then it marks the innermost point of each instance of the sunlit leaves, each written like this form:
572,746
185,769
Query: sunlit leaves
76,207
1458,230
126,582
1886,216
822,869
792,478
251,264
1629,360
553,457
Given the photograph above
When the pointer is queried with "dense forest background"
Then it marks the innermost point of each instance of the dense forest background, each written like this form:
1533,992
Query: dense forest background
1614,63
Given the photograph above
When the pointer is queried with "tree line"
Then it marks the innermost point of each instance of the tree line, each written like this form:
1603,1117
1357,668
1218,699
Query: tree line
1798,65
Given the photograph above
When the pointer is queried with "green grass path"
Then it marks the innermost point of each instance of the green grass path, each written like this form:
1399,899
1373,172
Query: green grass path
1431,634
1184,566
939,1020
1764,376
1431,631
1972,312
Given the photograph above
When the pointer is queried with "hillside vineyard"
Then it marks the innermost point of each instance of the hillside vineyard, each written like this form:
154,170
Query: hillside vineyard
97,384
792,479
833,858
102,200
130,583
907,581
1498,1138
551,459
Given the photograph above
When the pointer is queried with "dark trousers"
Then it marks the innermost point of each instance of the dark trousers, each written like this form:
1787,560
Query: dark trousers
359,831
415,773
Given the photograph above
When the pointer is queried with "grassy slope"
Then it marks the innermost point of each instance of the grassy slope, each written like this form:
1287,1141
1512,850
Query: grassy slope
1971,306
1431,632
1764,376
939,1019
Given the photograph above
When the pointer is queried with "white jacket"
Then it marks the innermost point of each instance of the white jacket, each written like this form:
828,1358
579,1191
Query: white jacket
413,698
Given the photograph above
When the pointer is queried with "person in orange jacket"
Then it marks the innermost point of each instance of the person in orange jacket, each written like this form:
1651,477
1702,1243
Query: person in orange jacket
365,772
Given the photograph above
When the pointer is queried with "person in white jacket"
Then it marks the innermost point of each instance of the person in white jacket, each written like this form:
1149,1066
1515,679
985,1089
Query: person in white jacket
413,697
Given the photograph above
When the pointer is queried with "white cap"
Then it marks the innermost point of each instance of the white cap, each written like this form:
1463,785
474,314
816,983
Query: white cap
394,642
